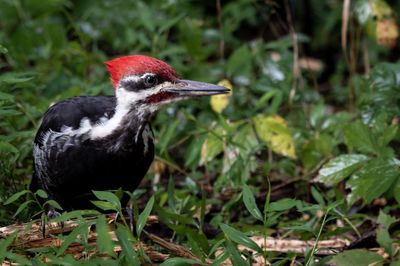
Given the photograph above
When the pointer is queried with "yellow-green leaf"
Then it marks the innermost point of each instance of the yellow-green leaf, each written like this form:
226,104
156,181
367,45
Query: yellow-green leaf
274,131
212,146
379,21
221,101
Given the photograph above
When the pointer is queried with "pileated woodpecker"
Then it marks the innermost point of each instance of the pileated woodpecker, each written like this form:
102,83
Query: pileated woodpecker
106,142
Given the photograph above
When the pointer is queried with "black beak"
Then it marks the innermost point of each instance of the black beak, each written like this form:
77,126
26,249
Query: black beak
190,88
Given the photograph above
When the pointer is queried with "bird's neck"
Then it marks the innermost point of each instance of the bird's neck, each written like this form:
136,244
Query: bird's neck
125,126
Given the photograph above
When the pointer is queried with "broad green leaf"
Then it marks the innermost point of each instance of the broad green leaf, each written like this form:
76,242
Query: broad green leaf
169,217
104,242
388,135
41,193
373,180
109,197
340,167
104,205
181,262
16,196
143,216
221,101
198,239
250,203
273,130
282,205
54,204
385,219
357,257
384,240
358,136
382,233
127,247
212,146
239,237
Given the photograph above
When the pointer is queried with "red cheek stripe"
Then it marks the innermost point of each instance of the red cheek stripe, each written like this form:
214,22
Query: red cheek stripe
161,96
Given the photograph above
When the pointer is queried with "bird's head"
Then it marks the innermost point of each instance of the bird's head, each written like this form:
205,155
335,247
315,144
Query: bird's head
150,83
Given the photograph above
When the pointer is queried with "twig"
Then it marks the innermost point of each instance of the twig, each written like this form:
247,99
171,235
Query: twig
296,65
221,30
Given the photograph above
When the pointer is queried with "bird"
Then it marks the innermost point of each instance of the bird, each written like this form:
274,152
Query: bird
90,143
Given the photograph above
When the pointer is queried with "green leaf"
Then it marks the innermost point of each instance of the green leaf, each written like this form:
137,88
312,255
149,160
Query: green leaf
250,203
109,197
382,233
317,196
282,205
340,167
104,205
22,207
7,147
41,193
396,191
384,240
274,131
5,243
143,216
181,262
168,135
127,248
239,63
212,146
54,204
9,112
385,220
358,136
373,180
14,77
171,194
74,214
170,22
239,237
235,255
81,230
357,257
6,97
104,242
16,196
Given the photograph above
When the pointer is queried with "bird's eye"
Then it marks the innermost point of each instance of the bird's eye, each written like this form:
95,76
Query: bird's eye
150,80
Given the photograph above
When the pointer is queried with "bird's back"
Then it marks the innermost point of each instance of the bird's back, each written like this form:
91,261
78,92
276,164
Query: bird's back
69,164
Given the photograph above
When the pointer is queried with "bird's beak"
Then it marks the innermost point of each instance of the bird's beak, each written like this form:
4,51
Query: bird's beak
189,88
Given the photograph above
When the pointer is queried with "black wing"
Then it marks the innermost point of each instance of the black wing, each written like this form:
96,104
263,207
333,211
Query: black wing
69,113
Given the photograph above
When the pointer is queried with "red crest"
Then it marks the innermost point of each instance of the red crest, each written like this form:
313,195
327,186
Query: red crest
138,65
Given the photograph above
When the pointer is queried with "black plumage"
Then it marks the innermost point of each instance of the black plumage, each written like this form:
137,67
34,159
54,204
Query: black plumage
69,166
